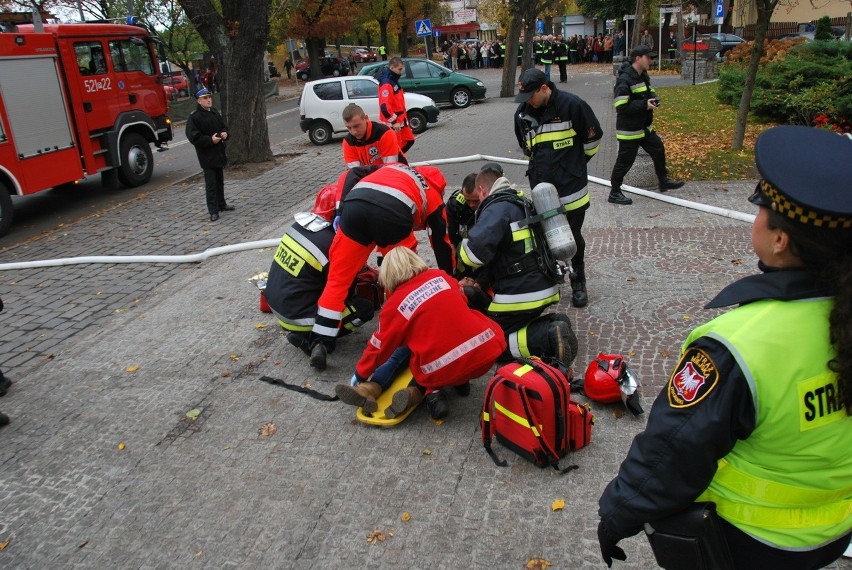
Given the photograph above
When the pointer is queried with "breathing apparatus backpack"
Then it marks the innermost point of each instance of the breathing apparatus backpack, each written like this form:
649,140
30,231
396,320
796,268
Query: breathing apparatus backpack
550,229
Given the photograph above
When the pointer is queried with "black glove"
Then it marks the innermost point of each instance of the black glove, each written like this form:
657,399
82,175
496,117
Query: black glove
609,547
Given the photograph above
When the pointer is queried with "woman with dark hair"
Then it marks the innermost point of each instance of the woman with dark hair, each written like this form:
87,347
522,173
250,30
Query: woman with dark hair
756,417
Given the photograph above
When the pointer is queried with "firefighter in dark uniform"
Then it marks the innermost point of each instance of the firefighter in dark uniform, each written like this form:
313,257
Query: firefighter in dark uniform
756,415
508,258
560,133
462,205
635,101
298,274
381,210
560,55
207,132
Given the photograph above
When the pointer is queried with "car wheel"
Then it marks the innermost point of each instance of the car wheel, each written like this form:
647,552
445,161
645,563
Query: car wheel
460,97
320,133
417,121
303,76
137,161
336,73
5,210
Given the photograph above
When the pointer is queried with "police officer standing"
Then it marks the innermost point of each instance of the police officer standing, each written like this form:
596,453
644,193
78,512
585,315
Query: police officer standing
756,418
560,133
207,132
635,101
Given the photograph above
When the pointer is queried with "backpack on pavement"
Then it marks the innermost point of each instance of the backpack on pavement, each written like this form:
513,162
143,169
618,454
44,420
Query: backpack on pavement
528,409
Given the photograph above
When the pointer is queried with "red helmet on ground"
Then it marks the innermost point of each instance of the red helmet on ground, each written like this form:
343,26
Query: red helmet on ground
601,382
433,176
325,202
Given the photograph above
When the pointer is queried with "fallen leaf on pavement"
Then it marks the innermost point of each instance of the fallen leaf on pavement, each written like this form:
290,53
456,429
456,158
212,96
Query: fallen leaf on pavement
121,446
427,452
618,413
538,564
234,357
665,352
268,429
260,326
376,536
406,517
557,505
226,374
4,544
199,553
133,368
193,413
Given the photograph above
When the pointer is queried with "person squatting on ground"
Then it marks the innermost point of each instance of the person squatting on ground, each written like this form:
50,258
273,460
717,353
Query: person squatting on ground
207,132
560,133
392,103
756,415
368,142
415,316
508,258
298,275
382,209
635,101
462,205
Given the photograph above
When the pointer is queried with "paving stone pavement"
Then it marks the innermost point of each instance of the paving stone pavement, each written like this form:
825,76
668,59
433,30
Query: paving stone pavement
212,491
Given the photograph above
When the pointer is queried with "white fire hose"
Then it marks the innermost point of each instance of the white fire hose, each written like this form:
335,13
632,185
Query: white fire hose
260,244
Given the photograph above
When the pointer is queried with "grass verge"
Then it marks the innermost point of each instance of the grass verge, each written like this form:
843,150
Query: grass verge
698,131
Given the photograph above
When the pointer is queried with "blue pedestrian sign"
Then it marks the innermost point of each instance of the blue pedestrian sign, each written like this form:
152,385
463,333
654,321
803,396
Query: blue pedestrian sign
539,27
423,28
719,10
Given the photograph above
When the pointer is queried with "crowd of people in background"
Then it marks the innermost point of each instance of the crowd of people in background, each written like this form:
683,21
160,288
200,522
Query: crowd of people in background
475,54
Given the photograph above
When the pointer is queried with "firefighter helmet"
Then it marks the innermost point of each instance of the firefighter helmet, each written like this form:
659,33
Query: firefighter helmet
433,176
602,378
325,202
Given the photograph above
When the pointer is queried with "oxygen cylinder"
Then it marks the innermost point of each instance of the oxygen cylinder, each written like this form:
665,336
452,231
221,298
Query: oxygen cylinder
557,231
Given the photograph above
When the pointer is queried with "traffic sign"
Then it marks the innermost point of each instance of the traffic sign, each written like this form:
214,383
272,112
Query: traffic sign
423,28
539,27
437,33
719,10
630,16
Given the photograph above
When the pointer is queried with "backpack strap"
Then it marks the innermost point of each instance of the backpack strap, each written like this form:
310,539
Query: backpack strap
487,408
533,421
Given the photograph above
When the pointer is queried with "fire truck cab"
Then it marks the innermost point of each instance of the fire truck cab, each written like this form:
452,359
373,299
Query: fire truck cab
77,99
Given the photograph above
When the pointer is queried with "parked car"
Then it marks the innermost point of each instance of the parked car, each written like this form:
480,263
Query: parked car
728,41
171,92
335,66
178,80
362,55
436,81
322,102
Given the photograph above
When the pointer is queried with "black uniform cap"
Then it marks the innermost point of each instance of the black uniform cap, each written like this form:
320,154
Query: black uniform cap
805,175
492,166
530,81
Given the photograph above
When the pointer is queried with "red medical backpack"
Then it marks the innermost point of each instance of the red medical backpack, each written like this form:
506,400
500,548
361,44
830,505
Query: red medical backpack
528,408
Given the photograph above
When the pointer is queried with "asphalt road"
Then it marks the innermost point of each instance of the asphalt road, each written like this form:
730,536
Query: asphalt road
45,211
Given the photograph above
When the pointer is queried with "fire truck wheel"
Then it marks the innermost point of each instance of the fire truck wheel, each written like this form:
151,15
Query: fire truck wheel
137,161
5,210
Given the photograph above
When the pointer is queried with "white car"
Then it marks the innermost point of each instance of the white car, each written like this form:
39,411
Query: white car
322,102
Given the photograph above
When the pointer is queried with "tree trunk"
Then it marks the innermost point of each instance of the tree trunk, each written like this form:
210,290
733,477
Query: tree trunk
527,60
508,85
238,39
636,32
764,13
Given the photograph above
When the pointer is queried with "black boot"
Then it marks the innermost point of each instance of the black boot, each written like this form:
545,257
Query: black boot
438,405
563,341
669,184
579,296
616,196
300,342
4,419
318,355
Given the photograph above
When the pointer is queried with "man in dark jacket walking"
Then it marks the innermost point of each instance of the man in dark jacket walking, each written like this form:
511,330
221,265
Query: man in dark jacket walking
635,101
207,132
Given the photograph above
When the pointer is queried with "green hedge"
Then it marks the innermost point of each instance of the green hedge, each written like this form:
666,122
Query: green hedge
814,79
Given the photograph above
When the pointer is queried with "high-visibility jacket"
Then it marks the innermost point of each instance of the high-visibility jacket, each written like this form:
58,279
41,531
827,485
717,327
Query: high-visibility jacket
450,343
632,92
380,145
391,99
790,482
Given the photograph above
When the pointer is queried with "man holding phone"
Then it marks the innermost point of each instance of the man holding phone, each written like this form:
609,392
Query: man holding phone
207,132
635,101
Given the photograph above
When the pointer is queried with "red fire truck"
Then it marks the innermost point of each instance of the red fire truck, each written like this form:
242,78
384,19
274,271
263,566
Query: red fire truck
77,99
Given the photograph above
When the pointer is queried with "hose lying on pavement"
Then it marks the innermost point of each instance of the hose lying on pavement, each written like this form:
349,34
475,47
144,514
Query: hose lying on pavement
211,252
